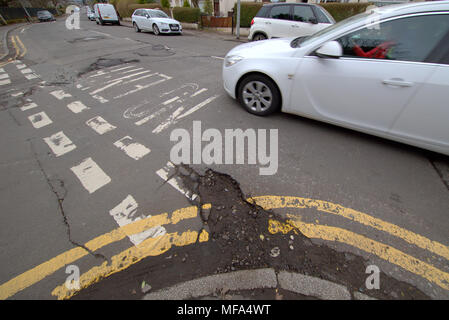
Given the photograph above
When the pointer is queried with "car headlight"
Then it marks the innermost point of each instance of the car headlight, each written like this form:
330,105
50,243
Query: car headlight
231,60
164,25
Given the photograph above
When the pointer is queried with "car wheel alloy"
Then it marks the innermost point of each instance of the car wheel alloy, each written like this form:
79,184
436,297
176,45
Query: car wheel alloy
259,36
136,27
155,30
259,95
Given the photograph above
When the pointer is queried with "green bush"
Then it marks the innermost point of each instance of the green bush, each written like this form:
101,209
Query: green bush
341,11
186,4
248,11
122,7
165,4
190,15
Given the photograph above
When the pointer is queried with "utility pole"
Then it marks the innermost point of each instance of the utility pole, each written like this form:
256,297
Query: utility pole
237,25
26,11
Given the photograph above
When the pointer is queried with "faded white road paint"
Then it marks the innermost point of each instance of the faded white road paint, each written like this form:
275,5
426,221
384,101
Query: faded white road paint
59,144
27,70
77,107
126,212
60,94
100,98
91,176
4,76
3,82
132,149
31,76
17,94
40,120
169,101
169,121
198,92
28,106
21,66
100,125
140,87
174,182
105,87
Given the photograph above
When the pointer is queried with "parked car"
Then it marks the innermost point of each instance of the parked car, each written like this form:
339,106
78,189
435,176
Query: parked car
288,20
90,14
45,15
384,73
105,13
156,21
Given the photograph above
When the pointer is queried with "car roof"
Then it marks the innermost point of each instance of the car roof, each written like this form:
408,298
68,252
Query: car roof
412,7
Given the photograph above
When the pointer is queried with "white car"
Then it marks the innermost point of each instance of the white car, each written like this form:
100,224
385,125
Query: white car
105,13
384,73
156,21
90,14
288,20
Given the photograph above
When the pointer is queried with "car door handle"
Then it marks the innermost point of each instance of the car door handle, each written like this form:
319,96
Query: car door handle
397,83
267,22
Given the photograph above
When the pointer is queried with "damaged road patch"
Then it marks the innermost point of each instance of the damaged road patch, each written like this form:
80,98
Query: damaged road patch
237,234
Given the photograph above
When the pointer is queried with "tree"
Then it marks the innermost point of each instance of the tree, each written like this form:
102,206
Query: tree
208,9
186,4
165,3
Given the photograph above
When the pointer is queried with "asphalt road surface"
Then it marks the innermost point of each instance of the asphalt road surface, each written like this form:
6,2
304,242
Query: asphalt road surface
85,125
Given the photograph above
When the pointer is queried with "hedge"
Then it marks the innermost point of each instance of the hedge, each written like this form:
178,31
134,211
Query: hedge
122,7
341,11
248,11
189,15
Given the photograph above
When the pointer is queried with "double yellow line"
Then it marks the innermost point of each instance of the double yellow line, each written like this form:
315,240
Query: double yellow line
160,244
20,50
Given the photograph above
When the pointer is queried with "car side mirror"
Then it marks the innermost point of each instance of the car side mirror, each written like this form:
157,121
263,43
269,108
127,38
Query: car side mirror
331,49
313,20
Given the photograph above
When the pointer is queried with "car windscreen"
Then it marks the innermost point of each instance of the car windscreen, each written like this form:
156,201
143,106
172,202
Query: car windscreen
43,13
300,41
158,14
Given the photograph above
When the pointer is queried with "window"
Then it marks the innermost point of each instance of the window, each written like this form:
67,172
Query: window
321,16
303,13
406,39
263,12
280,12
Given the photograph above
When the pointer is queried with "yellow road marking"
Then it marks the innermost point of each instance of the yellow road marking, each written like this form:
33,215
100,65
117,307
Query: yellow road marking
383,251
15,47
126,258
275,202
47,268
22,46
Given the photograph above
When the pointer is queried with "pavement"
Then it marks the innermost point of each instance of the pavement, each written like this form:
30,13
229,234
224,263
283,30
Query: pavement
87,183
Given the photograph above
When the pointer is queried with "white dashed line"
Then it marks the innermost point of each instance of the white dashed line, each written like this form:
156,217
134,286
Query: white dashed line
163,173
59,144
91,176
77,107
125,213
60,94
132,149
100,125
28,106
40,120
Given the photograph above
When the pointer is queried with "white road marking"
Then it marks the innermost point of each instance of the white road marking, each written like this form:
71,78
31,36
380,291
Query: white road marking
169,121
27,70
198,106
140,78
2,70
3,82
91,176
105,87
59,144
100,125
125,213
139,87
100,98
40,120
132,149
163,173
4,76
60,94
28,106
198,92
215,57
102,72
31,76
170,101
77,107
21,66
17,94
128,76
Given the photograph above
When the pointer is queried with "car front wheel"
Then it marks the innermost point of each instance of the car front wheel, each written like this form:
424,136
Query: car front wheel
136,27
259,36
155,30
259,95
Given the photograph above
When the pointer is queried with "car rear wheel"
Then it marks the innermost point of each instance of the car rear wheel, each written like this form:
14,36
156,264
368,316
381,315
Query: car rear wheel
259,95
136,27
259,36
155,30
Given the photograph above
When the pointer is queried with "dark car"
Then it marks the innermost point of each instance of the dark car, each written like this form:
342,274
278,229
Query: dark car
45,15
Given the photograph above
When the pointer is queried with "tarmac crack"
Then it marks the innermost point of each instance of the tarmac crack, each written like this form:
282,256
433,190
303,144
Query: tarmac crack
57,187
